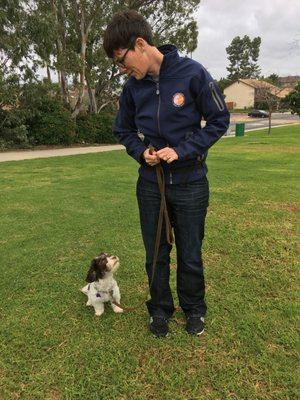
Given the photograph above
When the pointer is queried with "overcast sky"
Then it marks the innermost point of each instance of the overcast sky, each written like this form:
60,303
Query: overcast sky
277,22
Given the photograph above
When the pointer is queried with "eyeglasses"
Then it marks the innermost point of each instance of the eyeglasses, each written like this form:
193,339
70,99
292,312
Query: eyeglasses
121,62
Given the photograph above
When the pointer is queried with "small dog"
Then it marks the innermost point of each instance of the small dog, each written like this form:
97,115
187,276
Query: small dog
102,287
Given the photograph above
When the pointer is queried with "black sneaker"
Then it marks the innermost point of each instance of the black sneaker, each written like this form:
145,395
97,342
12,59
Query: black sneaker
158,326
195,325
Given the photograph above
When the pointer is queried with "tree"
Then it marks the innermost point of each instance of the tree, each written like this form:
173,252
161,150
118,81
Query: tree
14,44
292,100
268,95
273,79
103,82
67,36
243,55
223,83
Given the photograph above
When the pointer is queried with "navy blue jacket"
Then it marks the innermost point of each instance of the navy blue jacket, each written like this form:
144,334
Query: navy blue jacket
168,112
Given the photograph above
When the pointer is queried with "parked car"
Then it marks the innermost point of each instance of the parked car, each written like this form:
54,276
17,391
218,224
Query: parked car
258,114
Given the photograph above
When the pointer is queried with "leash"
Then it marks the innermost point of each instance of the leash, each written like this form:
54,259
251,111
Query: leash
163,215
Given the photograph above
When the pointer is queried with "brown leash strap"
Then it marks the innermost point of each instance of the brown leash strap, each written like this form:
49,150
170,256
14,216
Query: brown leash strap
163,205
163,215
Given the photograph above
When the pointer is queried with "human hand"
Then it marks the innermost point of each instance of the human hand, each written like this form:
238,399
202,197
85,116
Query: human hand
152,158
167,154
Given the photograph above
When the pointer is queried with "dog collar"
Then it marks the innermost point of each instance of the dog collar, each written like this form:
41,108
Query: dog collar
98,292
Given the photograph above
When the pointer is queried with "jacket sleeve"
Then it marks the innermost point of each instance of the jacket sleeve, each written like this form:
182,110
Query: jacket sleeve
125,128
210,103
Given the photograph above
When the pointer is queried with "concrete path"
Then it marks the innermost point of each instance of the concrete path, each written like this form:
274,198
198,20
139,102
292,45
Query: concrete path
254,123
30,154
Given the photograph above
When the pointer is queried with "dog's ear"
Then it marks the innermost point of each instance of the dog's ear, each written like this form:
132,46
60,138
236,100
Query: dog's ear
101,267
102,255
98,268
92,272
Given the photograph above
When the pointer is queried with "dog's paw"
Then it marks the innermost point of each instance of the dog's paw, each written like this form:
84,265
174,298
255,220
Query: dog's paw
98,313
88,303
117,309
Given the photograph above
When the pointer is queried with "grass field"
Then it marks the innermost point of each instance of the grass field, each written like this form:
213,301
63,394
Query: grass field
57,213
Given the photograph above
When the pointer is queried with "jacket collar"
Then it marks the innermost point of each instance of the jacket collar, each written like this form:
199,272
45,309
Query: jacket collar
171,55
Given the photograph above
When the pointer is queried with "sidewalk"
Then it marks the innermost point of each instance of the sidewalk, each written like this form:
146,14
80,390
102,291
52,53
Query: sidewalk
69,151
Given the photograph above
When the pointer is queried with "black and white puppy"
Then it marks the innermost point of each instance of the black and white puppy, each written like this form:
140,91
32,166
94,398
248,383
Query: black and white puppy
102,287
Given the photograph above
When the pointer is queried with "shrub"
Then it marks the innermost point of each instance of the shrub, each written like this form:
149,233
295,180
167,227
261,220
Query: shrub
56,127
40,118
36,98
95,128
292,100
13,131
47,120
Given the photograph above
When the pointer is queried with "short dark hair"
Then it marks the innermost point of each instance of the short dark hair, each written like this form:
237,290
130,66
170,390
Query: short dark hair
124,27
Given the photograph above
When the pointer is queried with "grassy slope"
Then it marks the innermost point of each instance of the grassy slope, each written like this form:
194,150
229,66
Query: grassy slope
57,213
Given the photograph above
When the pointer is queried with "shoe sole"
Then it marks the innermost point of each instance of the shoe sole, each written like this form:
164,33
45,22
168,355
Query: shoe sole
196,333
160,336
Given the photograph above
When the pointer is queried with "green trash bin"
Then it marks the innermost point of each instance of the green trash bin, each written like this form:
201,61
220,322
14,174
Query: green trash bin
240,129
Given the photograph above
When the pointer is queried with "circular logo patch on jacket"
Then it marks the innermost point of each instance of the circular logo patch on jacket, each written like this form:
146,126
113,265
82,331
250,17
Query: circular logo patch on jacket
178,99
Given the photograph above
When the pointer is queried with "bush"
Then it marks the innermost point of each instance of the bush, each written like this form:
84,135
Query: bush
37,116
292,100
47,120
13,131
95,128
56,127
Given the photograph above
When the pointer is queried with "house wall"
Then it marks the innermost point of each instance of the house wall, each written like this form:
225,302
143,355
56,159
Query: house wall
242,95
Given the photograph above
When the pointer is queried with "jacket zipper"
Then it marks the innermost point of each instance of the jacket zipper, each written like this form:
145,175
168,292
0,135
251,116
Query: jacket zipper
158,109
216,97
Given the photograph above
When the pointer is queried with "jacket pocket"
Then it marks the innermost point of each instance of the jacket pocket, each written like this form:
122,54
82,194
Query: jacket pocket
215,95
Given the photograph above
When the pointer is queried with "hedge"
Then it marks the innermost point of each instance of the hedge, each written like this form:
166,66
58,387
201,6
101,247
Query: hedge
95,128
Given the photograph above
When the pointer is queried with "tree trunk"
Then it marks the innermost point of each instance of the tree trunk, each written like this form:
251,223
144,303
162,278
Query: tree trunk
270,116
84,37
59,48
48,73
102,86
64,88
92,99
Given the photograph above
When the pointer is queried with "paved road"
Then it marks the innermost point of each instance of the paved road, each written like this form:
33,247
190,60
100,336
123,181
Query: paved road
254,123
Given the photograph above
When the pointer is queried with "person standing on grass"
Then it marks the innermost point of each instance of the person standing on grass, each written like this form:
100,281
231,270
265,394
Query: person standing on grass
165,98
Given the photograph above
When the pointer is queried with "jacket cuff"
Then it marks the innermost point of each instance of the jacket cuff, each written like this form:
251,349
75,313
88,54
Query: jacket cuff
184,155
141,159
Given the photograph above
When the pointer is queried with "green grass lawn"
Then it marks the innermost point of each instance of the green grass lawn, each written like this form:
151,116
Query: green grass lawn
57,213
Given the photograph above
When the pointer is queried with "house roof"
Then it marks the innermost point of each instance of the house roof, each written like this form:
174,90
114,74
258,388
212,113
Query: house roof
259,84
285,91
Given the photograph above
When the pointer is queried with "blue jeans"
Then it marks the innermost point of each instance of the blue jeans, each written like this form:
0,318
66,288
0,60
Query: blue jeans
187,206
